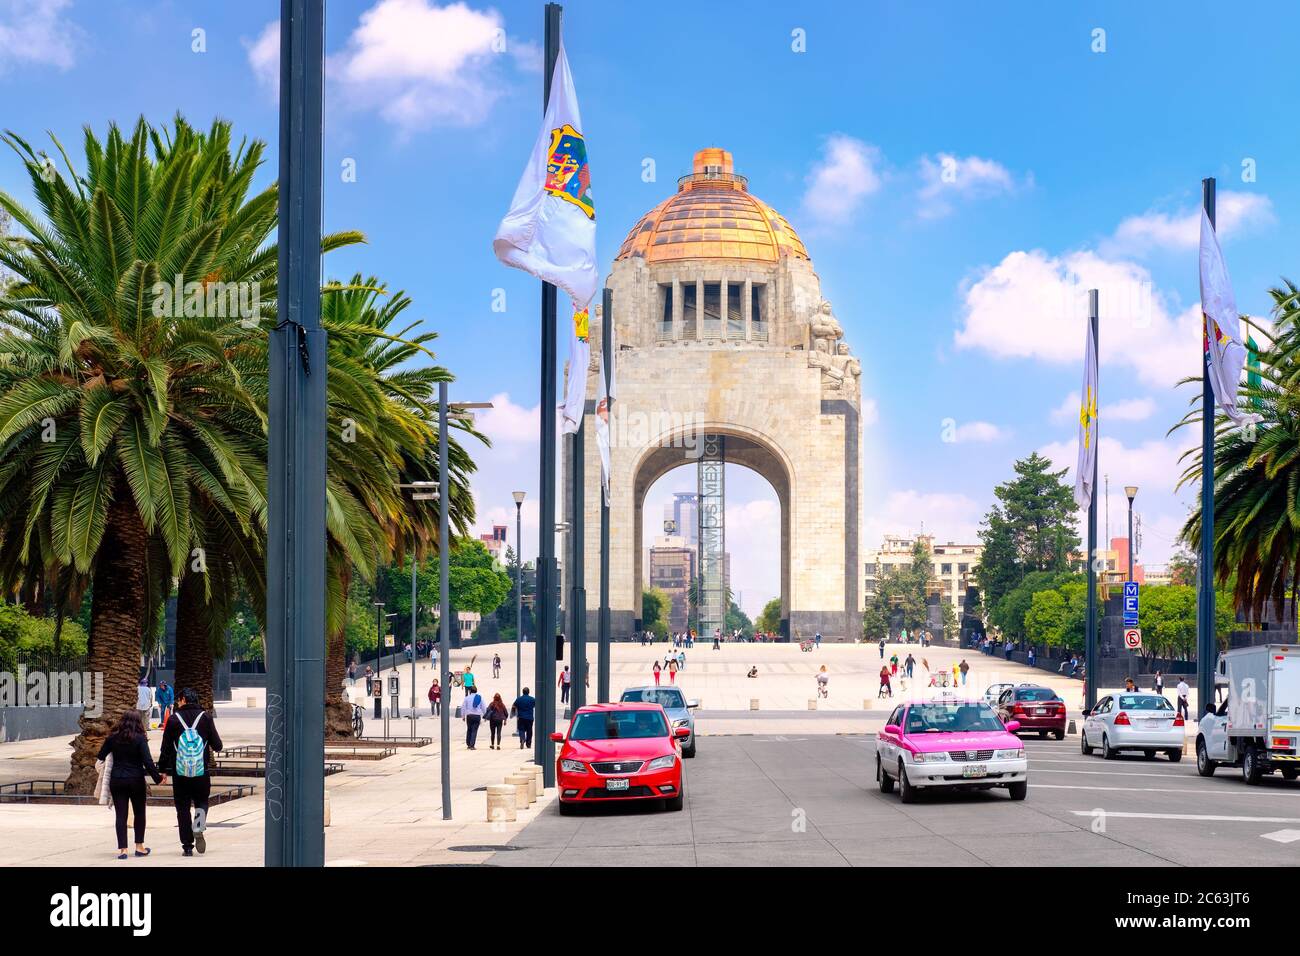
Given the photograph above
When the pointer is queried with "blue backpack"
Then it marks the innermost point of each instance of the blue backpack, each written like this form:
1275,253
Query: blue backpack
189,749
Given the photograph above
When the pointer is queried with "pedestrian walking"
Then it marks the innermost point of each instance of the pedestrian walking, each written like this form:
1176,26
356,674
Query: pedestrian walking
1160,683
681,660
716,646
893,664
524,708
189,741
1182,690
496,666
672,670
657,671
965,669
143,700
956,670
467,679
352,673
823,682
882,648
1130,685
126,759
1032,658
166,699
435,698
496,717
885,690
817,639
909,664
472,709
565,680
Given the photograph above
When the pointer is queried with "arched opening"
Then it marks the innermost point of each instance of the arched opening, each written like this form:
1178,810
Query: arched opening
755,472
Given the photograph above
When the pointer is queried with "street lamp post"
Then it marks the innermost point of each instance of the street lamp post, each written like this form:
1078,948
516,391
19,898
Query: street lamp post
1131,491
379,659
519,591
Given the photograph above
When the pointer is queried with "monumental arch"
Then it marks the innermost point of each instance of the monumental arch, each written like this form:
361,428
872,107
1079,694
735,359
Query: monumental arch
726,350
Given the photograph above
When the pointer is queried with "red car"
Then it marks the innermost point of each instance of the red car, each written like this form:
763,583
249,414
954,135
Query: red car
1035,708
620,752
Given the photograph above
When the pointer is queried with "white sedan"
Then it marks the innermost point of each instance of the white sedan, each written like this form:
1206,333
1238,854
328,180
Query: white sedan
1133,721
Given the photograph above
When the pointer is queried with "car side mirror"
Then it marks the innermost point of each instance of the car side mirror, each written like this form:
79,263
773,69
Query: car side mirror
1012,726
692,704
893,729
558,737
1086,712
682,732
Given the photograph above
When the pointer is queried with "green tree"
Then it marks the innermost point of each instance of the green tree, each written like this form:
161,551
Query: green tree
655,607
769,619
1044,622
738,620
1031,527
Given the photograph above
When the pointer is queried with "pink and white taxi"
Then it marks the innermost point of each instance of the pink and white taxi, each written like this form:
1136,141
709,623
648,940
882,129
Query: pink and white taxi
950,742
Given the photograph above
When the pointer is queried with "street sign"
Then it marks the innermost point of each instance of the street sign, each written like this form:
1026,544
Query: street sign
1130,603
1133,638
388,640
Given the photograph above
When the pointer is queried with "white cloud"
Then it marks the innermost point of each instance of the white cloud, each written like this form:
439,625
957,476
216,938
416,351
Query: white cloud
946,179
35,33
979,432
264,56
847,173
1236,213
420,64
948,516
1033,305
506,421
1125,410
870,412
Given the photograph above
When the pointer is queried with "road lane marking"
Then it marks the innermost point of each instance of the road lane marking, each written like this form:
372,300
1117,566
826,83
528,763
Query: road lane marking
1282,836
1068,786
1207,817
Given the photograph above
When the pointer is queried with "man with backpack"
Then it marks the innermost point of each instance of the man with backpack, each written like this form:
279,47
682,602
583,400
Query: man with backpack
189,741
472,710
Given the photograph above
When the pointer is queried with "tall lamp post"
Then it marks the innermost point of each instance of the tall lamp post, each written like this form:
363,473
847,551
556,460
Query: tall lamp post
519,591
421,492
1131,491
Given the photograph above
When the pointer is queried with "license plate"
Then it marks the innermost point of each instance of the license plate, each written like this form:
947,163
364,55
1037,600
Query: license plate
1040,710
616,784
975,770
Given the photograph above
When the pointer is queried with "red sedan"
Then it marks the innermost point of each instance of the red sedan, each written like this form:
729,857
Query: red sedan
620,752
1035,708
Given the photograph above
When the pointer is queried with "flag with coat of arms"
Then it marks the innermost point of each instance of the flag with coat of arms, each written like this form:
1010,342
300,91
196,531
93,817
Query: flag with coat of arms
1085,469
550,230
1225,356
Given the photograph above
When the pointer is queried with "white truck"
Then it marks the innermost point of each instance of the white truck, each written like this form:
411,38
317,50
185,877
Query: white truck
1256,723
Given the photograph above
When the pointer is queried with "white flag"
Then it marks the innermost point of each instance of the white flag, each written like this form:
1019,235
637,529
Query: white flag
575,391
602,418
550,230
1086,465
1225,356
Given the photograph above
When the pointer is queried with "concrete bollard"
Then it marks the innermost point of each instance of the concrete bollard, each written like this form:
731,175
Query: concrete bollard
523,789
866,703
812,704
1189,746
501,803
533,783
536,771
250,701
1071,729
753,703
327,808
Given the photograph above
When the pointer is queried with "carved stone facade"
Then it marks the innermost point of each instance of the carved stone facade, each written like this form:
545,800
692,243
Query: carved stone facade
721,328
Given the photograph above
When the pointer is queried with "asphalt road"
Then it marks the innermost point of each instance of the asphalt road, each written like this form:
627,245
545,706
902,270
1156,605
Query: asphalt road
770,800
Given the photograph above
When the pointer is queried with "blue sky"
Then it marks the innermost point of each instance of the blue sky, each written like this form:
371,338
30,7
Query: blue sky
961,295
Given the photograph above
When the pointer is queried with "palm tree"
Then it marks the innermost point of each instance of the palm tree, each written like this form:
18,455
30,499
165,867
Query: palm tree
1257,475
121,405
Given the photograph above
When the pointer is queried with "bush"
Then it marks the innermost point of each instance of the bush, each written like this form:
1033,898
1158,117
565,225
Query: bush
30,640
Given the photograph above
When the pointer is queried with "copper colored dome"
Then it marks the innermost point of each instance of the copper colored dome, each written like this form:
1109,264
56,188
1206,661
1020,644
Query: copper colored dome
712,216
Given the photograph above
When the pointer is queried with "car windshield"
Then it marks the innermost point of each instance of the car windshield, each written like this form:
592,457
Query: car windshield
1143,702
1036,693
665,697
956,718
616,724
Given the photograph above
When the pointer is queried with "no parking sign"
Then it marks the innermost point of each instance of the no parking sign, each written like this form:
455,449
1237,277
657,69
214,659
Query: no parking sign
1133,638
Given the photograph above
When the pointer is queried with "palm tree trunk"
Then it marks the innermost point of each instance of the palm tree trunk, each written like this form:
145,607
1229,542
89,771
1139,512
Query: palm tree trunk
117,623
193,640
338,710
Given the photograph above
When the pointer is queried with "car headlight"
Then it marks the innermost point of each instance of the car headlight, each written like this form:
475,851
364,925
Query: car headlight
681,723
662,763
573,766
1017,754
936,757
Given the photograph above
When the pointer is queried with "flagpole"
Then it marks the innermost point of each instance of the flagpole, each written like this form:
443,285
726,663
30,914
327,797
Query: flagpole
602,624
1090,637
544,646
1207,644
577,547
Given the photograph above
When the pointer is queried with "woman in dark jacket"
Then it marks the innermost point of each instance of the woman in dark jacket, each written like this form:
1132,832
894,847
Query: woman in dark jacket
496,716
128,745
